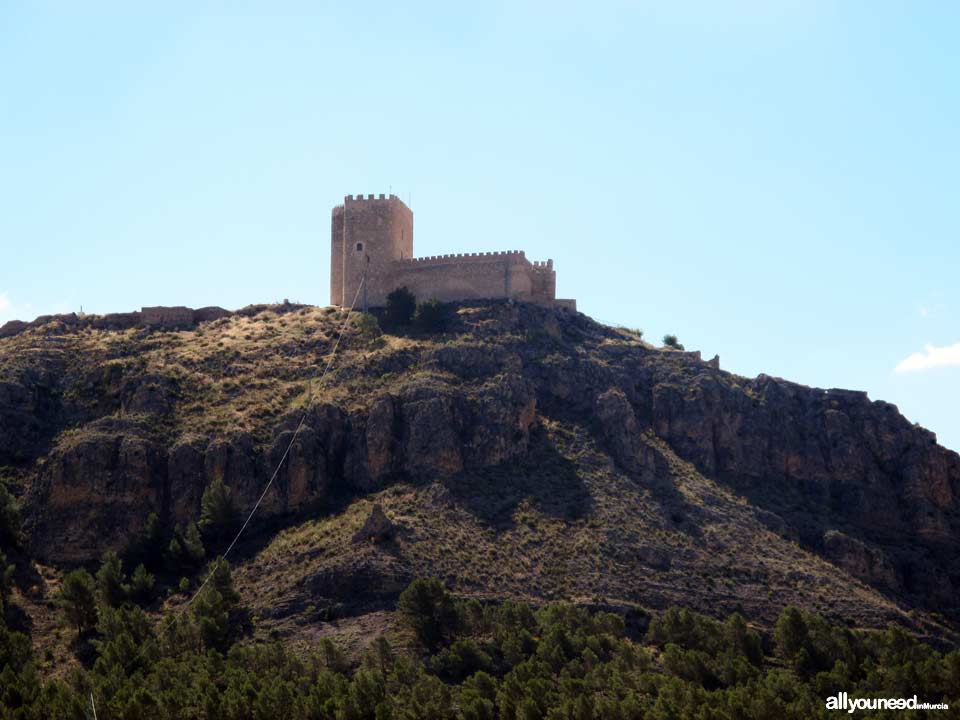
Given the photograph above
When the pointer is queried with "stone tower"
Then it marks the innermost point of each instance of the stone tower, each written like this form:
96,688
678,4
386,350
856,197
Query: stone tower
367,234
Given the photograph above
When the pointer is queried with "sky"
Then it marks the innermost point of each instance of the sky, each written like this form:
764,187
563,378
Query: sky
775,182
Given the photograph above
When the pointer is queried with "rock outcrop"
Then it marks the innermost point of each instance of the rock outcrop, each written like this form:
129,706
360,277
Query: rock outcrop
860,560
376,528
103,426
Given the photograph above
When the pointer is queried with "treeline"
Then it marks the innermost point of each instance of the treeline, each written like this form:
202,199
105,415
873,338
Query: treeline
470,661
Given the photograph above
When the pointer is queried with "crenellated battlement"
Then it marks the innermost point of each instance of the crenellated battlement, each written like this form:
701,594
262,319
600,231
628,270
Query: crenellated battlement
371,249
468,257
371,198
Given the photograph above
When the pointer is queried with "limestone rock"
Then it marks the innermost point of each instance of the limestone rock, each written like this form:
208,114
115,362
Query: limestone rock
99,487
621,431
376,528
867,563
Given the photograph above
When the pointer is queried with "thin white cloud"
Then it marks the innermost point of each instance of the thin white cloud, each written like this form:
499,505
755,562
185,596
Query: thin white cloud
931,357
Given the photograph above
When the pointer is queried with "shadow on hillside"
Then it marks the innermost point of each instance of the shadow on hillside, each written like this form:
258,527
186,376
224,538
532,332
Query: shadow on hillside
677,511
544,478
263,531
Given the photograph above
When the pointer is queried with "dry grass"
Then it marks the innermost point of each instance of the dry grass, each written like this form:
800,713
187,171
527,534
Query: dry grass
566,525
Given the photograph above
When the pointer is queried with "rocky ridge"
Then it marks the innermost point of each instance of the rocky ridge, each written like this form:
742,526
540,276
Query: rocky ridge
587,463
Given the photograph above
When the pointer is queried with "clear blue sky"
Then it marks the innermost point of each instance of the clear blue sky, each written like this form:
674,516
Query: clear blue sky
776,182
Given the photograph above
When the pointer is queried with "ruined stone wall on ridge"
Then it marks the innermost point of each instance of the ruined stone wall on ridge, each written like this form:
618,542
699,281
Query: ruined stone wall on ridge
170,317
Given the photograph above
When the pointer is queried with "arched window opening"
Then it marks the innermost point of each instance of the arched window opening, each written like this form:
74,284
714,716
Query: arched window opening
359,247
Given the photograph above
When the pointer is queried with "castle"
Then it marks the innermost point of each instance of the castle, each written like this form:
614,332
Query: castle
372,237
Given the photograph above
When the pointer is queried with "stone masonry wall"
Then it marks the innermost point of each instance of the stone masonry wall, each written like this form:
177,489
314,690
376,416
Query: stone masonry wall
169,317
467,277
376,232
373,237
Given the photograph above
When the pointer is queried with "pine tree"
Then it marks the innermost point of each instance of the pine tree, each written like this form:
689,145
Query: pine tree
218,513
401,304
79,601
211,609
193,545
9,518
428,610
6,585
110,580
141,585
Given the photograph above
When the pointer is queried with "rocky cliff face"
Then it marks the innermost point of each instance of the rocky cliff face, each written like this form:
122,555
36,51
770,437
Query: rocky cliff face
100,427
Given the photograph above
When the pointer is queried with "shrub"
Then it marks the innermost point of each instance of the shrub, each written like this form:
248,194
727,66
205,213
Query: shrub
430,317
671,342
401,305
368,329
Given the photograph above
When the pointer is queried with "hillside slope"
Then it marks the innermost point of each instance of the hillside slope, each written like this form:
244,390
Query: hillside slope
524,453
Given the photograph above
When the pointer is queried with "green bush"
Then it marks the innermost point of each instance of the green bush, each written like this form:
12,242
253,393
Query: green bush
430,317
671,342
401,305
368,329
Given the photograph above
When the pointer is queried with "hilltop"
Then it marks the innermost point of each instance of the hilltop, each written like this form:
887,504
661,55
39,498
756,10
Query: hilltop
525,453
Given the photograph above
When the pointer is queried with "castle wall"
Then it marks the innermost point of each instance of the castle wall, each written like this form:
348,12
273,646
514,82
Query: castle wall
374,236
466,277
336,256
169,317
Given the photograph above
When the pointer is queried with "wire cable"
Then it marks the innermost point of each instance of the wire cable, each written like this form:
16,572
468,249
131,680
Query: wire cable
303,418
